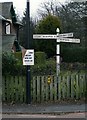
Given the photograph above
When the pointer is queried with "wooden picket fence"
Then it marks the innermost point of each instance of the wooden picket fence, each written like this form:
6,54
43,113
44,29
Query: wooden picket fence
14,89
64,87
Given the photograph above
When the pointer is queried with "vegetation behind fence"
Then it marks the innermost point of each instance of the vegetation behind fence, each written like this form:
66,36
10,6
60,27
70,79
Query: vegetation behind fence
44,89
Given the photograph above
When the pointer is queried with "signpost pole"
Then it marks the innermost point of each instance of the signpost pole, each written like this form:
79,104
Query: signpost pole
58,54
66,37
28,77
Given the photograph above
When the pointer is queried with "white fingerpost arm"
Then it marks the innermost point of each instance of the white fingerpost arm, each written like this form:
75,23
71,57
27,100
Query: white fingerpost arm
58,54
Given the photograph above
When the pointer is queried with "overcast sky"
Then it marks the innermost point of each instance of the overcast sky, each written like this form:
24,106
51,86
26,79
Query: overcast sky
20,5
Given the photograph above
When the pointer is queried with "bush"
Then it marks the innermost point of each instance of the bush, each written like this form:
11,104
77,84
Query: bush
40,57
11,65
42,65
71,55
73,66
48,68
8,63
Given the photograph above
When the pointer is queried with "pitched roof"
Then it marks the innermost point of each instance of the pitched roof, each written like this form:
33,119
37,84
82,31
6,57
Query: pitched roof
18,23
3,18
6,6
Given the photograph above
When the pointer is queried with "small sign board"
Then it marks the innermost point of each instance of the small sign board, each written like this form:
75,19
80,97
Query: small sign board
44,36
66,35
70,40
28,58
50,36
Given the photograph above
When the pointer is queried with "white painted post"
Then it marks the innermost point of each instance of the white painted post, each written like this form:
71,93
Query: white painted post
58,54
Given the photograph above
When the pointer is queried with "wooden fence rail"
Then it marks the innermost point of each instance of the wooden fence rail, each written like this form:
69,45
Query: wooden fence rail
65,87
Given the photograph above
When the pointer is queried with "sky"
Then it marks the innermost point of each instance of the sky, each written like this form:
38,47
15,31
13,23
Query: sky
20,5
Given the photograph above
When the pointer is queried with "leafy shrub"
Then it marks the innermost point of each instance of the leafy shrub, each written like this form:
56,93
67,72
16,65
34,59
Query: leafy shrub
48,68
11,65
71,55
76,66
40,57
8,63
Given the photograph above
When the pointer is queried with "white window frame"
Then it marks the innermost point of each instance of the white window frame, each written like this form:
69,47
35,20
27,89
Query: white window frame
8,28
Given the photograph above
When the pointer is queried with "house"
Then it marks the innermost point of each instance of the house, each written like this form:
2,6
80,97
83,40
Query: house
9,26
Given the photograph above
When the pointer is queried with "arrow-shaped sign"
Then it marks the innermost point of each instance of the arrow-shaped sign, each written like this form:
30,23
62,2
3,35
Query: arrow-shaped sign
68,40
66,35
46,36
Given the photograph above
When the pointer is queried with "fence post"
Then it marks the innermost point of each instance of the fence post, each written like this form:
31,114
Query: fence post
59,87
72,86
77,87
68,86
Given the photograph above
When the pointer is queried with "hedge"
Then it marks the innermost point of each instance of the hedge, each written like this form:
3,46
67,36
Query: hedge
74,55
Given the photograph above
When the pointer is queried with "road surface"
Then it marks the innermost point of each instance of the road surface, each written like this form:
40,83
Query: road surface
69,115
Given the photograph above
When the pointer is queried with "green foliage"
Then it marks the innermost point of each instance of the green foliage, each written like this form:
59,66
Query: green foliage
13,14
70,16
40,57
48,68
12,65
18,55
74,55
8,63
42,65
73,66
47,25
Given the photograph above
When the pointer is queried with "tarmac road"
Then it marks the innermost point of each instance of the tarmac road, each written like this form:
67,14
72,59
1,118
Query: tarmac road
49,111
69,115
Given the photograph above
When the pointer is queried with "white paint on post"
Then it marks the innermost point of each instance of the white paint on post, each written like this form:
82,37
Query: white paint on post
58,59
58,54
58,49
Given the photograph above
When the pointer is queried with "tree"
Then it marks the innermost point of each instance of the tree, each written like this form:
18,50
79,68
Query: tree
13,14
47,25
72,20
70,15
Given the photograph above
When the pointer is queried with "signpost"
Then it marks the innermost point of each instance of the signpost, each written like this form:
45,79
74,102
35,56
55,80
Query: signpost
66,37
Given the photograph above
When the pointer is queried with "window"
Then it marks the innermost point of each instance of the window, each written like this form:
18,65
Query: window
8,28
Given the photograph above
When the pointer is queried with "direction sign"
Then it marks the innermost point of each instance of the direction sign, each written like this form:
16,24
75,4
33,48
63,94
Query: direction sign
68,40
28,58
46,36
66,35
